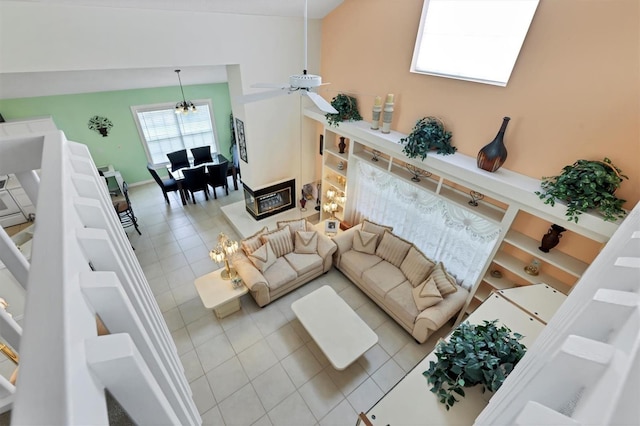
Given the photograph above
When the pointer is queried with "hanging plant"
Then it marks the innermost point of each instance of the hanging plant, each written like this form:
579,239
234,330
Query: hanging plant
482,354
586,185
101,125
347,107
428,134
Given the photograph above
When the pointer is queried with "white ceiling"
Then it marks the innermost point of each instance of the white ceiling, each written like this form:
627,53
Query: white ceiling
19,85
317,9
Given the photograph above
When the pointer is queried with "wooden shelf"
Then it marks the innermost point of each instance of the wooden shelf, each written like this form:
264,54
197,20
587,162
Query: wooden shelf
497,283
333,182
336,170
336,152
517,266
556,258
484,209
429,183
382,163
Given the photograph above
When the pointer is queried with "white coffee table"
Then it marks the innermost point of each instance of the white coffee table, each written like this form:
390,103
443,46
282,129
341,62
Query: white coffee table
219,294
339,332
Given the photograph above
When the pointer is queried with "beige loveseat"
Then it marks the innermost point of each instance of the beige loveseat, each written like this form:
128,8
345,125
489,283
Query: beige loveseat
273,263
416,292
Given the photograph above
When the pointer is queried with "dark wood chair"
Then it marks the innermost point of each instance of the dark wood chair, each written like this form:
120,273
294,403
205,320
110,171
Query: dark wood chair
218,177
178,159
125,211
201,154
167,185
195,180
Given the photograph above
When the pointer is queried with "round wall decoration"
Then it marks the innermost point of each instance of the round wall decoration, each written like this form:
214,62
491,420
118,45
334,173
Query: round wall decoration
101,125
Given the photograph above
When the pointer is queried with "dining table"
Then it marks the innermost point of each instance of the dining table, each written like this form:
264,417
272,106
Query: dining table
178,176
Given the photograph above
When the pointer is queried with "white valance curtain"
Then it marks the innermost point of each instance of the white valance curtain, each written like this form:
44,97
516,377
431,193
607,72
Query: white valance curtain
443,231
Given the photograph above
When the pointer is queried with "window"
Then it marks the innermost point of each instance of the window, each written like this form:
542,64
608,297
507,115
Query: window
163,131
476,40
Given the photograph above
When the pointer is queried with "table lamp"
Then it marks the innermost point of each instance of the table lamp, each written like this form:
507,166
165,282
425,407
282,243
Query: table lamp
222,253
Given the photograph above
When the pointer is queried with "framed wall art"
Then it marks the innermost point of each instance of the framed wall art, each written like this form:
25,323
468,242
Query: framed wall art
242,142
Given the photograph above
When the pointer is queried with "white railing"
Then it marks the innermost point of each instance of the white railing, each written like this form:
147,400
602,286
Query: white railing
83,267
584,367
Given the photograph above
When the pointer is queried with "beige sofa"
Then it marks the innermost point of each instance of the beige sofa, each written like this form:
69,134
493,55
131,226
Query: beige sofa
273,263
416,292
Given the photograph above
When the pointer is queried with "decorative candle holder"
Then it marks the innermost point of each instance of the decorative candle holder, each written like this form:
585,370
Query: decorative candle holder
533,268
475,197
388,114
375,116
417,172
376,154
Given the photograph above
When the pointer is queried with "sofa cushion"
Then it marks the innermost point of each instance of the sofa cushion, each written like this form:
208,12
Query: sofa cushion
369,226
400,301
365,242
252,243
382,277
279,274
303,263
393,249
416,266
263,257
306,242
355,263
280,241
446,283
294,225
426,294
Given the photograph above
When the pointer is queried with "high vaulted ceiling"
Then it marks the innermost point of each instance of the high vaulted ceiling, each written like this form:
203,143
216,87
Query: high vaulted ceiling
28,84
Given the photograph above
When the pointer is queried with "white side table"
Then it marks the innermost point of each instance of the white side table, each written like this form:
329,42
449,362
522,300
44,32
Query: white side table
219,294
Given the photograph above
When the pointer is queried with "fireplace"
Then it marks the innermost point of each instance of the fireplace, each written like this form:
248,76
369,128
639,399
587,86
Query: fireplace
270,200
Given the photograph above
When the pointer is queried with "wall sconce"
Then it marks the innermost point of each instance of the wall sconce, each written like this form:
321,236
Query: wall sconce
222,253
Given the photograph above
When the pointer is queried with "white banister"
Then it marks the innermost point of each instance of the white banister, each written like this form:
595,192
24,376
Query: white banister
83,268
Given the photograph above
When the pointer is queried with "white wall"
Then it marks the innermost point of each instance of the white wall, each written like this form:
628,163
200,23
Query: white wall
42,37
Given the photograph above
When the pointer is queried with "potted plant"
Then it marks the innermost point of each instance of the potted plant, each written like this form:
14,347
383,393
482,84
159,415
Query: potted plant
428,134
481,354
347,107
586,185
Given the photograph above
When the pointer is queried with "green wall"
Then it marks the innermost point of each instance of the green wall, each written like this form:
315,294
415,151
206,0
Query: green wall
122,147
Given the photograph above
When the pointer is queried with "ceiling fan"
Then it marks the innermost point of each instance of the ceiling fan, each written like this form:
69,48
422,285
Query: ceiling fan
303,83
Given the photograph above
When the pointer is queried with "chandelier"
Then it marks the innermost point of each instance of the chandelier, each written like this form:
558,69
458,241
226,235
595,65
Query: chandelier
185,106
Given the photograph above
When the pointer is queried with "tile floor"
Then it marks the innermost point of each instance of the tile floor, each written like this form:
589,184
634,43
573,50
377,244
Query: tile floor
257,366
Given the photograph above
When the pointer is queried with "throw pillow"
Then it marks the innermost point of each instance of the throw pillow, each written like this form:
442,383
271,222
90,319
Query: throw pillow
365,242
369,226
263,257
393,249
294,225
306,242
252,243
416,266
281,241
426,294
446,284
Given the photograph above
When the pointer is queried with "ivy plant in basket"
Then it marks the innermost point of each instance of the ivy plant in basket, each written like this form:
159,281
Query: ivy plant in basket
347,107
482,354
586,185
428,134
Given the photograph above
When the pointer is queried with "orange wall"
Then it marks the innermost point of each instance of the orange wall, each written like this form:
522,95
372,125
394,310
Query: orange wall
574,92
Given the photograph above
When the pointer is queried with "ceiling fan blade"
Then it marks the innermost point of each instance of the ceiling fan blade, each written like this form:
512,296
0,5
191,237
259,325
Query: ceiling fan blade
253,97
270,86
321,103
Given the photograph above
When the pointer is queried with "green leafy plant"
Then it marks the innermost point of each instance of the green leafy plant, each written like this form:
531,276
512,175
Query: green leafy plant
347,107
482,354
586,185
428,134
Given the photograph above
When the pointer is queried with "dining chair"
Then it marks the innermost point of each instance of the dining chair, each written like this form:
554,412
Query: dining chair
125,210
201,154
167,185
218,177
195,180
178,159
